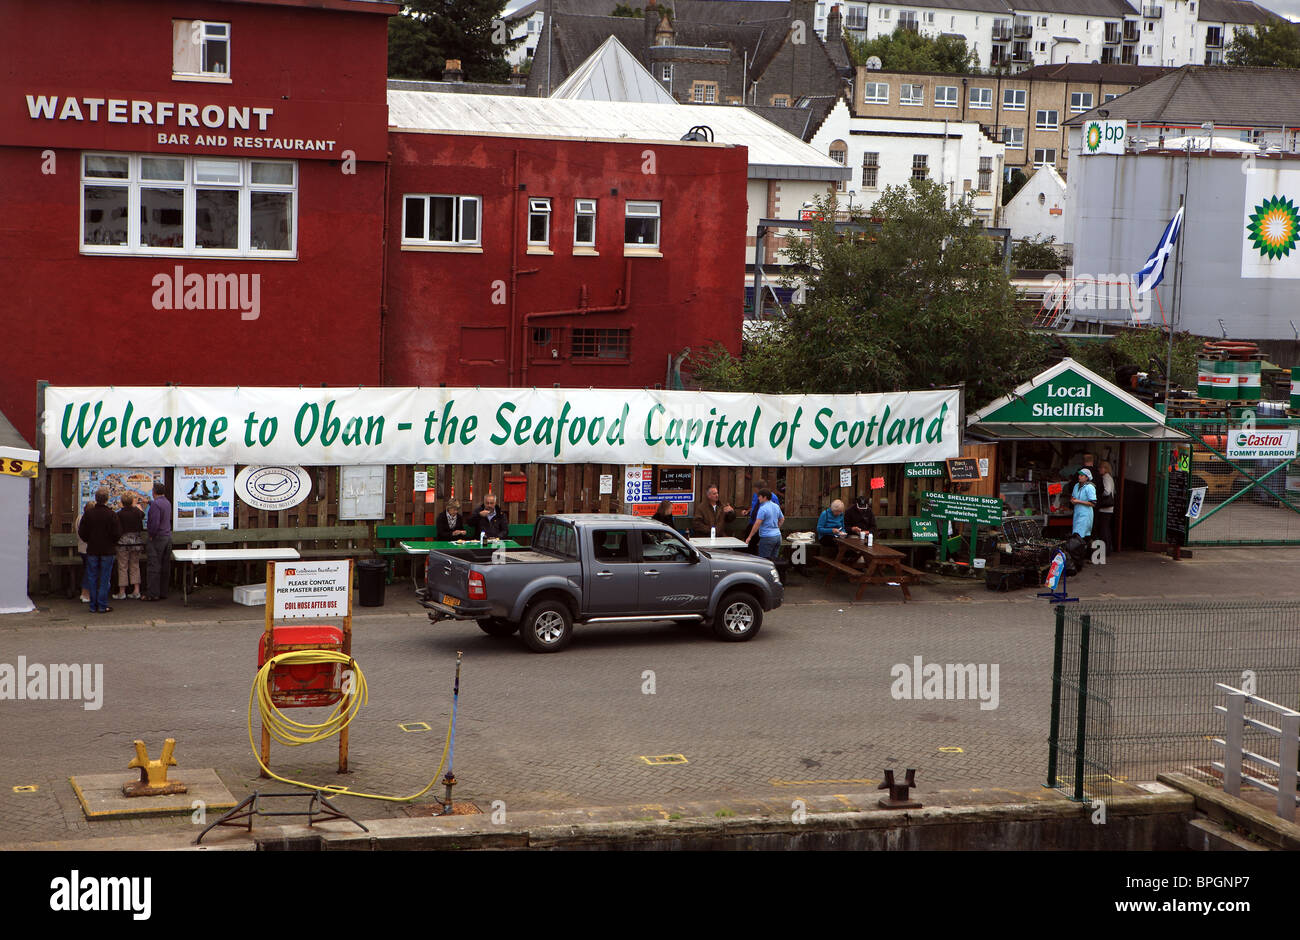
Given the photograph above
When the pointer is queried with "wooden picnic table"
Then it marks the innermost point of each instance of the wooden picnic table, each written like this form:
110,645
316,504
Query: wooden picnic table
865,564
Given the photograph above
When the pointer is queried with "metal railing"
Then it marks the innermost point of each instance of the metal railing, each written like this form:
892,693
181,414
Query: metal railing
1237,759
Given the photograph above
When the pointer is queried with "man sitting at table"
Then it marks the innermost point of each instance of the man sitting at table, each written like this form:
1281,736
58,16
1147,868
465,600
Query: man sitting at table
491,521
451,524
830,524
711,514
860,520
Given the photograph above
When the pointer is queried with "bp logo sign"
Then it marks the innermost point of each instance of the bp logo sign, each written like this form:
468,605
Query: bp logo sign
1104,137
1274,227
1094,137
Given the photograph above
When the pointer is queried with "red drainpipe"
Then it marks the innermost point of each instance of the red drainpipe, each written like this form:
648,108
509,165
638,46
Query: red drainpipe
624,295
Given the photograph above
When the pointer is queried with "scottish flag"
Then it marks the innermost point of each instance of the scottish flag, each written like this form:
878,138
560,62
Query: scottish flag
1153,272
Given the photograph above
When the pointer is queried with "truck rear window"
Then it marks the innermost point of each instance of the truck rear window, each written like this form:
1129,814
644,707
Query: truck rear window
556,538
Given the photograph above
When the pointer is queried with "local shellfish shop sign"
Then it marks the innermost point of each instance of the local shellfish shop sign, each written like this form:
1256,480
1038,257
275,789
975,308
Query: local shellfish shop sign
133,427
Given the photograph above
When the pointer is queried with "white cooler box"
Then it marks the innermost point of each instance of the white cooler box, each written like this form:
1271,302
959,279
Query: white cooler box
251,595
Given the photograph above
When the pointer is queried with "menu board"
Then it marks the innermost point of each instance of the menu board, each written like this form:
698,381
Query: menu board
963,469
670,480
1180,482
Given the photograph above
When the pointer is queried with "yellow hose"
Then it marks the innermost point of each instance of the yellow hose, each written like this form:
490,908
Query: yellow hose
294,733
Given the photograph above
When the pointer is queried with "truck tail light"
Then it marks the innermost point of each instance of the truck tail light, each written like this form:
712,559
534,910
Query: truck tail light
477,586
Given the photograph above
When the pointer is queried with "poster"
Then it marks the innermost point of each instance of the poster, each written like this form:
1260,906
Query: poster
362,491
312,589
203,498
290,427
606,484
846,476
139,483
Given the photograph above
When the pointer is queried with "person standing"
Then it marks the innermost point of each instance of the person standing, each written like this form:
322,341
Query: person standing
160,544
712,515
130,546
1084,498
1105,506
81,550
451,524
100,530
767,525
752,511
492,522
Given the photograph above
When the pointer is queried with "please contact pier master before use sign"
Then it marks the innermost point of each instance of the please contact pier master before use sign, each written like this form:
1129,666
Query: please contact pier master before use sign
312,589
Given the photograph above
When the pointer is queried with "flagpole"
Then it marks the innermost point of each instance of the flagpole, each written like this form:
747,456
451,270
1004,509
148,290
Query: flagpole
1177,299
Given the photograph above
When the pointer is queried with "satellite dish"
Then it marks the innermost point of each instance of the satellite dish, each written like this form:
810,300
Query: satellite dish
874,63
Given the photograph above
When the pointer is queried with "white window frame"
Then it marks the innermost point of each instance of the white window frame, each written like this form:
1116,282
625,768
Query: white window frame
134,183
911,95
1009,135
875,96
539,207
220,32
459,202
665,71
924,164
1079,97
643,209
945,96
1018,95
882,13
1044,161
1040,124
871,161
584,208
985,100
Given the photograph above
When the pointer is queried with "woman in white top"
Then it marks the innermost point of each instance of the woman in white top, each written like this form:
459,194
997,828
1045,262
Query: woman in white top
1105,505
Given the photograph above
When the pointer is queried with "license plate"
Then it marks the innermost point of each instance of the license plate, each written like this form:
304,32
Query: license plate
450,601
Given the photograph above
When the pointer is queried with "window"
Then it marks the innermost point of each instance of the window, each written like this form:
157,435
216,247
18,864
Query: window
1014,138
1013,99
659,547
1108,97
1040,47
600,344
780,101
641,225
704,92
197,206
201,49
1046,120
920,166
945,96
911,94
1042,22
440,220
666,72
556,538
539,222
611,546
870,170
986,174
981,99
1080,101
584,223
1044,157
875,93
840,154
882,13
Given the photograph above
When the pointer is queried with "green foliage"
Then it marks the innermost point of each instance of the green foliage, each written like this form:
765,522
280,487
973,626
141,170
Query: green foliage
907,51
1274,44
1138,346
624,10
1036,254
919,301
429,32
1012,186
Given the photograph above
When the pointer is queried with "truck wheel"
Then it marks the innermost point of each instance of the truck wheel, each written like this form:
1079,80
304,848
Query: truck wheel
495,626
737,618
547,627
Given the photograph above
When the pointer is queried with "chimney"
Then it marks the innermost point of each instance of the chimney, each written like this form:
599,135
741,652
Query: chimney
834,29
451,71
651,24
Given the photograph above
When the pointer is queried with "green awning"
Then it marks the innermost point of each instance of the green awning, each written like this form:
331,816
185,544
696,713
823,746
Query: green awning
999,431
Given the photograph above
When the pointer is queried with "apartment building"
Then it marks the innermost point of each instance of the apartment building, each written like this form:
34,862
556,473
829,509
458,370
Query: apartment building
1026,111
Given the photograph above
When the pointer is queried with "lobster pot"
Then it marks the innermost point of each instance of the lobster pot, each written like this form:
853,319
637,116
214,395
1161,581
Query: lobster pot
1249,373
1216,379
1295,388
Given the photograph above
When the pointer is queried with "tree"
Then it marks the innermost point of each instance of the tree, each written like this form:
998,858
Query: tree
1012,185
623,9
1036,254
919,300
429,32
1144,348
908,51
1275,44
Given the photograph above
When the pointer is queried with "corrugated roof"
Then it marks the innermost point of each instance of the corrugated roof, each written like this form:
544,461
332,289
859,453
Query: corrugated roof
459,88
773,153
1193,94
1234,11
611,73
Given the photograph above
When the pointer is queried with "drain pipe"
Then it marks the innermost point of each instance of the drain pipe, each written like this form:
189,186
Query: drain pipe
624,299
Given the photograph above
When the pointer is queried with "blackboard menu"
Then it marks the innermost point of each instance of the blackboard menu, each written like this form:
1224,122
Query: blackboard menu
674,480
963,469
1180,481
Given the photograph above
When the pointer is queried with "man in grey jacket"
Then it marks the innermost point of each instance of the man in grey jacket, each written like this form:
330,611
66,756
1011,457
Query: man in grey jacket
159,526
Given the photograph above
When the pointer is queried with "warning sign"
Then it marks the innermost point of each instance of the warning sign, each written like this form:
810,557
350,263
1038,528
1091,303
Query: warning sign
311,589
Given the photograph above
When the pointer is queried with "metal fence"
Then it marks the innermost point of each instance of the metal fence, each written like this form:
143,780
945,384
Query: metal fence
1133,685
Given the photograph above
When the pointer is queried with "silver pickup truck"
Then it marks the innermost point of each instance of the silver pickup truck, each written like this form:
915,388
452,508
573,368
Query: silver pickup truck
599,568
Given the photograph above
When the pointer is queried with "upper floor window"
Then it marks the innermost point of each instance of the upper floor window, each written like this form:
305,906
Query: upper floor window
704,92
1046,120
197,206
600,344
584,223
945,96
875,93
920,166
870,170
981,98
1080,101
666,72
911,94
780,101
200,49
641,225
539,223
1013,99
451,221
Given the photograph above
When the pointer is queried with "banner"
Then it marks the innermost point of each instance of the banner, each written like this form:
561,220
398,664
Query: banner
1271,225
133,427
203,498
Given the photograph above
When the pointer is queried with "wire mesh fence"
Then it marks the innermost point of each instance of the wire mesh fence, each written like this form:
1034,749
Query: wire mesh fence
1134,685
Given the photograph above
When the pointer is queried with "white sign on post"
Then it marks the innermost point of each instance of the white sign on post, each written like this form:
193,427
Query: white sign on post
421,481
1195,501
312,589
606,484
846,476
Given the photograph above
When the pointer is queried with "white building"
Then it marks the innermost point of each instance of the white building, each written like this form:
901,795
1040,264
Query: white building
891,152
1040,208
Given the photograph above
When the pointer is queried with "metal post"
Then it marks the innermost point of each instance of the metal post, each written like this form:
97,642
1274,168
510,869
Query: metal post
1286,766
1232,741
1081,736
1053,735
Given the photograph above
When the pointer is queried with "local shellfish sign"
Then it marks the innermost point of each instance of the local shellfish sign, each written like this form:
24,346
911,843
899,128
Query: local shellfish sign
287,428
1068,396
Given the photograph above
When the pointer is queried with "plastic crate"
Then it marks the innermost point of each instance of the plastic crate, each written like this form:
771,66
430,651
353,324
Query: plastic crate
250,595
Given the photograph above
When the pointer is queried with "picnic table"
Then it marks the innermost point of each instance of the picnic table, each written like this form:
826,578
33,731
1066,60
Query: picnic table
865,564
211,556
719,541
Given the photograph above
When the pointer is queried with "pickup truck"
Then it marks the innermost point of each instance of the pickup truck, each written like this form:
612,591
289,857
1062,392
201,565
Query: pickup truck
601,568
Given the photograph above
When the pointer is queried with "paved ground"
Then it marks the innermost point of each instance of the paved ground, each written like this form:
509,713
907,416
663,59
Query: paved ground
804,709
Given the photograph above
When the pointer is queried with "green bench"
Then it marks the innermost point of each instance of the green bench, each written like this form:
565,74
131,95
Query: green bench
388,538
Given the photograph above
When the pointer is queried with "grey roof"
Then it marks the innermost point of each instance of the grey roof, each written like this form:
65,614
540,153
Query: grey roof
959,6
1097,73
459,88
1114,9
1230,97
794,121
611,73
1234,11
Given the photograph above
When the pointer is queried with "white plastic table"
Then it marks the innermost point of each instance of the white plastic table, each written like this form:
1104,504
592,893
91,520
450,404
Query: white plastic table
722,541
210,556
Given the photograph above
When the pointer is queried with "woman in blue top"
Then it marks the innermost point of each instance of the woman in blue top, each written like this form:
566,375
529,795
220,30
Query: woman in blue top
831,523
1084,498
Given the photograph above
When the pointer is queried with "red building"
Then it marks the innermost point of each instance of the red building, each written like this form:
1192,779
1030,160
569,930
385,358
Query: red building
203,195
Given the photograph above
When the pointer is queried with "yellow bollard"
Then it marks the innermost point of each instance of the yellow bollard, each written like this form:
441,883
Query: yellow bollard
153,773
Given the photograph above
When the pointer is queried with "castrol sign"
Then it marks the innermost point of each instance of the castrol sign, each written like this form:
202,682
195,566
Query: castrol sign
1261,444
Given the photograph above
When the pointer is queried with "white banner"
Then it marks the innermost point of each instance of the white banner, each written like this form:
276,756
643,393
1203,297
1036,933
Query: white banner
1271,222
135,427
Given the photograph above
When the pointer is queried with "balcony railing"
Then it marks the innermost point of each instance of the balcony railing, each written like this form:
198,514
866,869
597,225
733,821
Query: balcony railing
1213,39
1109,56
1112,34
1020,52
1001,32
1132,33
1024,28
1128,56
1153,12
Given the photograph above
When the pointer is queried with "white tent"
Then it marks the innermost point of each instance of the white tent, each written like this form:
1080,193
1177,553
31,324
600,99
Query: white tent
17,466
